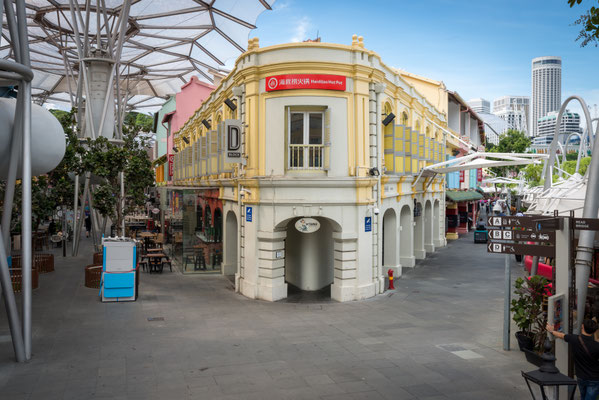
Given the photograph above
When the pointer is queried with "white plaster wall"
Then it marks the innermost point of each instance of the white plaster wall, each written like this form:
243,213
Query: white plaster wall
453,116
276,131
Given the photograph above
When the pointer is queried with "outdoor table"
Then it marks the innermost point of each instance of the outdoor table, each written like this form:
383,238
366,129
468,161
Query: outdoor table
155,261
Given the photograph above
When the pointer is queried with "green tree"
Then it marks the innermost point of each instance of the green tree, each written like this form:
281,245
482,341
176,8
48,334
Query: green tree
532,174
512,141
589,34
106,160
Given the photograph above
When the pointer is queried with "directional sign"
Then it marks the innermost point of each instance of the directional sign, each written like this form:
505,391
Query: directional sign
586,224
521,249
545,237
500,235
539,223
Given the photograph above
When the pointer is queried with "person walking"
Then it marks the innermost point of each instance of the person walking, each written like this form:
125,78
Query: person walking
88,224
586,358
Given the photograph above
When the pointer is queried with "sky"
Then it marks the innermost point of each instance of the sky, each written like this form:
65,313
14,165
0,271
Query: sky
478,48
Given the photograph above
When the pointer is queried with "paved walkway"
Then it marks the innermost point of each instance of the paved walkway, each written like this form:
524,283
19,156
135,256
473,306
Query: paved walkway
438,336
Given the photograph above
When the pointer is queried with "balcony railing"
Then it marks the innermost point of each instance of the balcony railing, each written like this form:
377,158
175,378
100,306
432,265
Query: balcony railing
305,156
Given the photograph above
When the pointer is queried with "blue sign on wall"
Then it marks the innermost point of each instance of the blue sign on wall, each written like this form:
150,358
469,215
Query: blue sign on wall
367,224
248,214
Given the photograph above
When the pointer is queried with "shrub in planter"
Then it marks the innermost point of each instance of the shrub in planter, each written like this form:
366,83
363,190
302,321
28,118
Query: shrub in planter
527,307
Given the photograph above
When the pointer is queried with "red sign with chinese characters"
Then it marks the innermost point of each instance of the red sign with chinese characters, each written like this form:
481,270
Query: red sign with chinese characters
461,176
479,174
305,81
171,162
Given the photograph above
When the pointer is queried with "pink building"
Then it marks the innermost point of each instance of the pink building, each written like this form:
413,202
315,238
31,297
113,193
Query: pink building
188,100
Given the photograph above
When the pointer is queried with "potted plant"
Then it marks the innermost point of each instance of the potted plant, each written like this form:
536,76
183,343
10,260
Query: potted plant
528,311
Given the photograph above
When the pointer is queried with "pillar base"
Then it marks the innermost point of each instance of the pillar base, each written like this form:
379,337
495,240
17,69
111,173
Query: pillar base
228,269
420,254
452,236
429,248
440,242
349,292
408,262
272,293
248,289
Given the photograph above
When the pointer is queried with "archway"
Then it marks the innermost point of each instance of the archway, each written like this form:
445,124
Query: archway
230,244
406,249
437,225
419,251
390,242
309,258
428,227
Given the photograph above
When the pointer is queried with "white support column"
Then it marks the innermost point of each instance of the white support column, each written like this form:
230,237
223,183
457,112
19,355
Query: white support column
344,287
271,265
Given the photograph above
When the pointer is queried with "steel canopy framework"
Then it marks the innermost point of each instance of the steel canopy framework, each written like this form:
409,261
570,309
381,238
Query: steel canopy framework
157,45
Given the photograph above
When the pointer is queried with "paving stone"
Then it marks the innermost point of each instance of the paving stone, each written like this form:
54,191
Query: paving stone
216,344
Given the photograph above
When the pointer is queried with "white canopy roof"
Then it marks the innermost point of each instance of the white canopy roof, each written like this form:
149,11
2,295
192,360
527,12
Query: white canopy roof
485,160
165,41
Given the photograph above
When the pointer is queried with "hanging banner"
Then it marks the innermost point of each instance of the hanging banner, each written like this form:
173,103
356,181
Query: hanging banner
462,177
171,162
307,225
479,175
233,150
305,81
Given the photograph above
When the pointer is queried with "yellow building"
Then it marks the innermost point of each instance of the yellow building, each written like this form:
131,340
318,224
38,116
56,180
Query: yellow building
325,192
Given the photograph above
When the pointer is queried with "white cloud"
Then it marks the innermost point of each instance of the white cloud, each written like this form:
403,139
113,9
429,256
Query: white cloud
300,30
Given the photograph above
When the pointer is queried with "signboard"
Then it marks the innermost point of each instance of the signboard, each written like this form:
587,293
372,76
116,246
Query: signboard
367,224
307,225
390,190
462,177
586,224
171,162
233,150
555,308
544,237
479,175
305,81
540,223
521,249
248,214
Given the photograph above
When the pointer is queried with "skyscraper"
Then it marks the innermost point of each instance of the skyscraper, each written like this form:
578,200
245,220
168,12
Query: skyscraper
515,110
546,88
480,105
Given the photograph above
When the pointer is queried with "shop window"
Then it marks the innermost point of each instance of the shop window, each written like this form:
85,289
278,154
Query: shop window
307,139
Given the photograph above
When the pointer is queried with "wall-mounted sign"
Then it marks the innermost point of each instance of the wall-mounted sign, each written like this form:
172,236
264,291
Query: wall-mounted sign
279,254
305,81
367,224
462,177
155,211
479,175
233,150
171,162
248,214
307,225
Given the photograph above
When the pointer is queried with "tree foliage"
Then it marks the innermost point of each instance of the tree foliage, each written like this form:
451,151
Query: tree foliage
589,34
512,141
107,160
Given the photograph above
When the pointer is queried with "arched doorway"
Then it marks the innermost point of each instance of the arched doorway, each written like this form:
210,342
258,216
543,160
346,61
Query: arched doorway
436,224
309,258
406,249
230,247
419,251
390,242
428,227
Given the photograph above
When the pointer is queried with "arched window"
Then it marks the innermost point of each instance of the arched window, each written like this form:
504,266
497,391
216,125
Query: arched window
404,118
428,132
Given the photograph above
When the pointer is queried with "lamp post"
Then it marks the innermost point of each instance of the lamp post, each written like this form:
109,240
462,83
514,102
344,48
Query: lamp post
548,376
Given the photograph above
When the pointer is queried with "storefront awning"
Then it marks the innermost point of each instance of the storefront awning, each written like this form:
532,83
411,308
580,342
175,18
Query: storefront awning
463,195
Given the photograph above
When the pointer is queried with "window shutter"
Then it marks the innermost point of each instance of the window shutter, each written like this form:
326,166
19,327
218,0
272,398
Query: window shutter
327,140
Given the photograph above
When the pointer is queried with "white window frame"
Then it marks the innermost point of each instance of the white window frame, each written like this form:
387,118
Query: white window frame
305,139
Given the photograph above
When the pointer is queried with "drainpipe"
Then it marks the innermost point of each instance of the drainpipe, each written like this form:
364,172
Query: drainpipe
378,88
238,91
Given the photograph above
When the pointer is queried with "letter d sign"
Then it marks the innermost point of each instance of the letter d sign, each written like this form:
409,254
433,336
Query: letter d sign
233,150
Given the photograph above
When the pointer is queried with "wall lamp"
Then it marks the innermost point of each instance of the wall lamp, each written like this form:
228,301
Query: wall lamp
186,140
374,171
175,149
230,104
388,119
206,124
